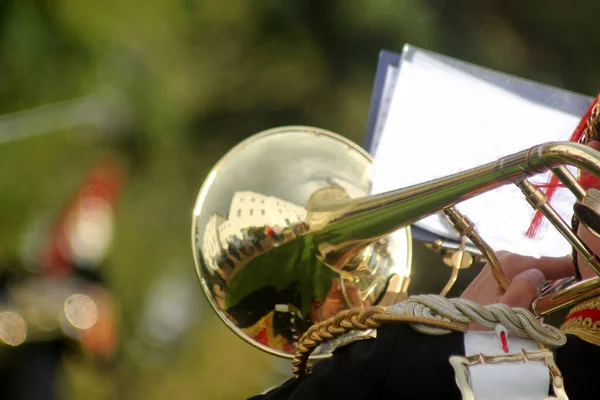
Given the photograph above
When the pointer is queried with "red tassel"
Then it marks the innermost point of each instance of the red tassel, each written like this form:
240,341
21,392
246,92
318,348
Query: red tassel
586,181
551,187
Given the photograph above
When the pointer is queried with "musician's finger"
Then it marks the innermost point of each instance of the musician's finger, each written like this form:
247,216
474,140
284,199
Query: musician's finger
552,267
523,289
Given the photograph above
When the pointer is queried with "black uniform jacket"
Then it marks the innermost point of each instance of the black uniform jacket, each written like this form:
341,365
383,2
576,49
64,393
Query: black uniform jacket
404,364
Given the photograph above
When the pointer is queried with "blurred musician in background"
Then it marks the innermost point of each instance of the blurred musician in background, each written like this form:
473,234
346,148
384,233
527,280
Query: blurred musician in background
62,303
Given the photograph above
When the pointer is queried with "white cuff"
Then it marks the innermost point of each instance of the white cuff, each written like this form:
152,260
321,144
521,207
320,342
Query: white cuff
508,380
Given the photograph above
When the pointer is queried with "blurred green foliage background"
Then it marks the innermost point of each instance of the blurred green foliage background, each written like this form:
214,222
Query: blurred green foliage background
176,84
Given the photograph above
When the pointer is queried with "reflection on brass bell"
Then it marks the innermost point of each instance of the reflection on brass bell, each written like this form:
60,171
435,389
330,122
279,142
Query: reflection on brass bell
276,252
588,211
453,258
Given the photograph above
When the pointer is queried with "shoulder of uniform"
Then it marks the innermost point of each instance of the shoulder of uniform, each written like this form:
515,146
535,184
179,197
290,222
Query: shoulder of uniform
352,337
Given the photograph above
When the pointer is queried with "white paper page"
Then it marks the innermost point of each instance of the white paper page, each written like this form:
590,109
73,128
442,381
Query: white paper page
387,96
443,121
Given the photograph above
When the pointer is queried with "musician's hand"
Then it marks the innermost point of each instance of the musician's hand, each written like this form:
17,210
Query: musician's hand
527,276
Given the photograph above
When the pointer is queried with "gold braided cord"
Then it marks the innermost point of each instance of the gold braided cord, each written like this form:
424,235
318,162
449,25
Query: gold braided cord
346,321
591,129
428,314
583,326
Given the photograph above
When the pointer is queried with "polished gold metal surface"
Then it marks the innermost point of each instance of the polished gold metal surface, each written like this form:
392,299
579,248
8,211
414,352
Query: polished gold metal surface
265,257
566,293
461,259
285,234
539,201
466,228
448,250
405,206
458,261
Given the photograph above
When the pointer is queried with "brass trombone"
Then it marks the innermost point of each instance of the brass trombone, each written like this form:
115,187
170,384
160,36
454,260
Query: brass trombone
285,233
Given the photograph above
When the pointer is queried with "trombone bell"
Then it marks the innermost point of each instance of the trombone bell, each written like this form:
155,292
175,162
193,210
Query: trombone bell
263,266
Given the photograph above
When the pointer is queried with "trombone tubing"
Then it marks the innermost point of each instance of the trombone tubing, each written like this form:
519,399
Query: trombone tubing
371,217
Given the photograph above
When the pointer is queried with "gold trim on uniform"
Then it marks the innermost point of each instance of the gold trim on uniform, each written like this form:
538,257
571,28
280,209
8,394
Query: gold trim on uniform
587,325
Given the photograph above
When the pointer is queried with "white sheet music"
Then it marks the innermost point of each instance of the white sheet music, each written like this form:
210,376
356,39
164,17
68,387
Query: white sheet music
442,121
387,96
